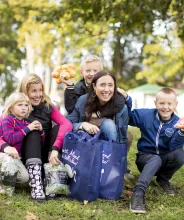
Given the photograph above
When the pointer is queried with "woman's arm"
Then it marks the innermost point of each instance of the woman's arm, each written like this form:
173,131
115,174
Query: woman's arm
64,126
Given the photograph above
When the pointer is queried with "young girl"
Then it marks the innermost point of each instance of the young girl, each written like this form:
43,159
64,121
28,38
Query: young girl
14,127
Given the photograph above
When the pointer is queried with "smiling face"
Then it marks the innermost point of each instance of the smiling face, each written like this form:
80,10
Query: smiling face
35,93
20,110
89,70
166,104
104,89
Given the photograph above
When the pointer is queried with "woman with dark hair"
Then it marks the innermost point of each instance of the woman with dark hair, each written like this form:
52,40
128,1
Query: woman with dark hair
103,108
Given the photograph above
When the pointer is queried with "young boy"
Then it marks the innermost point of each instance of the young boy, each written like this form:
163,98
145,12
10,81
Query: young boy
160,148
89,67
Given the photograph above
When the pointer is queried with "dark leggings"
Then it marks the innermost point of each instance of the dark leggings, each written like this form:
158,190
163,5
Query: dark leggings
32,147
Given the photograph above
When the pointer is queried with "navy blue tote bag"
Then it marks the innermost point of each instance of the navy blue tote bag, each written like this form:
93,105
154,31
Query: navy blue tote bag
113,167
82,158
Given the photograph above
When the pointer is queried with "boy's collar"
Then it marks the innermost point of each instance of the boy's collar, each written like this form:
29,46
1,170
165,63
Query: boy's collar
164,121
87,85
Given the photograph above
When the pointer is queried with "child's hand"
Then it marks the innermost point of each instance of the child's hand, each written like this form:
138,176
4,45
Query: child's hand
11,151
122,92
35,125
68,82
40,128
180,124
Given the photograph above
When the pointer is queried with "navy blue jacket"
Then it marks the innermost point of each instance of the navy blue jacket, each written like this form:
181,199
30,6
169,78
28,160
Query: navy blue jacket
157,137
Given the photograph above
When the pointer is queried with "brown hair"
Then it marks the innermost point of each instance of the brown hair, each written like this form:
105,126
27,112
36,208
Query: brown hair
92,104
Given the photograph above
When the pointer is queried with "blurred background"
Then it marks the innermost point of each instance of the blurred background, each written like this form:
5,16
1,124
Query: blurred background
140,41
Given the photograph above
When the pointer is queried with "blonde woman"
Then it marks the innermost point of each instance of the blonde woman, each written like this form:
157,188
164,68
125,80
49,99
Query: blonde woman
35,153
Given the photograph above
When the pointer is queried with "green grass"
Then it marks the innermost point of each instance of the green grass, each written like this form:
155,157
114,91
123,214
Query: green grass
159,205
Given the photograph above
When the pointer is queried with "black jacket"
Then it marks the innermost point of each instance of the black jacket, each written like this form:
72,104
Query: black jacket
72,93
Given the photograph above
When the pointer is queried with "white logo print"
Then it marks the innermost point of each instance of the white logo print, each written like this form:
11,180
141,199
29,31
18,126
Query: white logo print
105,158
70,156
169,132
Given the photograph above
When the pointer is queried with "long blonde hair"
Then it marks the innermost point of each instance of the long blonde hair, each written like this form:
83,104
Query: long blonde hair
13,99
33,79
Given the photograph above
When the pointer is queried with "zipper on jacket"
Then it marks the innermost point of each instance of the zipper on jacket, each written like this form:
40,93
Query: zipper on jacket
157,137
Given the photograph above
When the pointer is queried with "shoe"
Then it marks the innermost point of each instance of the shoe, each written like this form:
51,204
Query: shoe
35,182
165,184
137,202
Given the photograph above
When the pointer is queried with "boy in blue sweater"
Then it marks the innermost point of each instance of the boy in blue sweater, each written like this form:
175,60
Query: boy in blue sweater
160,148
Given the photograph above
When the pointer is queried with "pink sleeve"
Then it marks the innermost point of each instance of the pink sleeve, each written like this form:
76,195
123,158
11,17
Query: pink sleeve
64,126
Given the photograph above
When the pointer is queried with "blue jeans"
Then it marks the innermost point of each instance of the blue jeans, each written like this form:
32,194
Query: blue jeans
163,166
117,130
108,127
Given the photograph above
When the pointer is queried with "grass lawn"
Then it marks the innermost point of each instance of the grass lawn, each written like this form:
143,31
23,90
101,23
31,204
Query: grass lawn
159,205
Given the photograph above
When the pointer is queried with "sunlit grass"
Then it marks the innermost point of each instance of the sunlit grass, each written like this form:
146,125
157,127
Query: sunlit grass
159,205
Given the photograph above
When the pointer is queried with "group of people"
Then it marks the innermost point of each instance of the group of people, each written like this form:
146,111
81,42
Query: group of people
94,104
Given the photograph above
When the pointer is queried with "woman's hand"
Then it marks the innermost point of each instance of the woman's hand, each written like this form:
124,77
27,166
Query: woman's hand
90,128
35,125
53,159
11,151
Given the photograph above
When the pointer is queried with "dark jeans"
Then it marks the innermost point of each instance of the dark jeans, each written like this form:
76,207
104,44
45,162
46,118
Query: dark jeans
32,147
162,166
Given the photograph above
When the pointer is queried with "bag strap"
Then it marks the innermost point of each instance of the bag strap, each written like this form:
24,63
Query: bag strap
78,136
99,136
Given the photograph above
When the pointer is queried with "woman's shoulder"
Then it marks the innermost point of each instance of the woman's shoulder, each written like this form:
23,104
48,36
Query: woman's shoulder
47,108
83,98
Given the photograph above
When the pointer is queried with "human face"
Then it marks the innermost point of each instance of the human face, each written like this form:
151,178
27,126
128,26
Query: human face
166,105
35,94
89,70
104,89
20,110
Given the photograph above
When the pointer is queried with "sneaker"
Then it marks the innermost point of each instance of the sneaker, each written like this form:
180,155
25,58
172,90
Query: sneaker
165,184
137,202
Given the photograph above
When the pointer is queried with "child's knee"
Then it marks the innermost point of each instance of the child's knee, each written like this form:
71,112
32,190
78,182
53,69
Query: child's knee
155,161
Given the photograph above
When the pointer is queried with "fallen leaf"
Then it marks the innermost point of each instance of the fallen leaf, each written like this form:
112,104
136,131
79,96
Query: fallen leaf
8,203
128,186
85,202
31,216
100,211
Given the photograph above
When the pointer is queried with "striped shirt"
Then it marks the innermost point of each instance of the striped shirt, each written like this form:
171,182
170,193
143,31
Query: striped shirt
13,131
